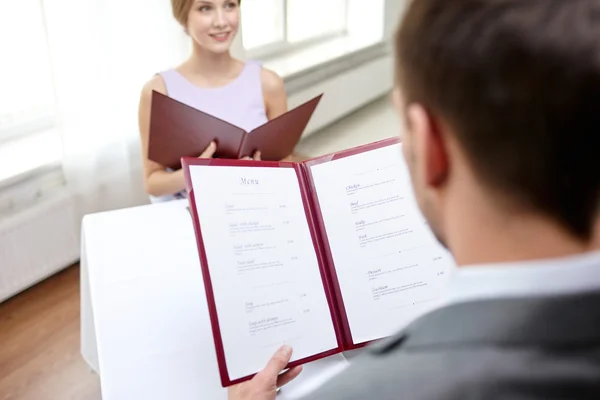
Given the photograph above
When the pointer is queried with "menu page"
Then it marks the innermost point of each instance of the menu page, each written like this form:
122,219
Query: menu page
263,266
390,267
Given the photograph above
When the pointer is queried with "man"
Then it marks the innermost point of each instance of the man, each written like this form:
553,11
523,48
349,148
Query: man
502,106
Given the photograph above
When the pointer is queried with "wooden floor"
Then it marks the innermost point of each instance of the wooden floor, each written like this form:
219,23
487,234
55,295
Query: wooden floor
40,355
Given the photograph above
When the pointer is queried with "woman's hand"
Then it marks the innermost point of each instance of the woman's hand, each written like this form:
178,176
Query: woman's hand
209,152
264,385
255,157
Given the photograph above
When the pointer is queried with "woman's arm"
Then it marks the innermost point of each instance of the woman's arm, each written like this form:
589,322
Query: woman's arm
276,102
157,181
274,94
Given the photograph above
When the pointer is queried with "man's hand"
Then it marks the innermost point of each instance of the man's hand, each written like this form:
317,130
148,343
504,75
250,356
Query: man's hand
264,384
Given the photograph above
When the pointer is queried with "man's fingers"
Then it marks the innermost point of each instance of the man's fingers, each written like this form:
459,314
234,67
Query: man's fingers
288,376
278,362
257,156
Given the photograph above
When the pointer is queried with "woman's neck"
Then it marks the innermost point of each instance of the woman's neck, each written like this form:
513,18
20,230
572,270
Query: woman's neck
208,64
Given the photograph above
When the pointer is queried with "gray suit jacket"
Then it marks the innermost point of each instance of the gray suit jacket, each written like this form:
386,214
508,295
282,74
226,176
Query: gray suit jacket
530,348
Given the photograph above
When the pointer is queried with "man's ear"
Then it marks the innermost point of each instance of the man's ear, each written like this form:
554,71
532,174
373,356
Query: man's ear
429,145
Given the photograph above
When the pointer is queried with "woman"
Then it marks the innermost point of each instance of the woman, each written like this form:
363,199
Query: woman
242,93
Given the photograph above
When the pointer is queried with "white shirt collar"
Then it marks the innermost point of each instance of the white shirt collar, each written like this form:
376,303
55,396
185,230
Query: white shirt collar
541,277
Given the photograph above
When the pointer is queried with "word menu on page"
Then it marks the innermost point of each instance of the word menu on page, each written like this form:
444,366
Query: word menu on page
325,255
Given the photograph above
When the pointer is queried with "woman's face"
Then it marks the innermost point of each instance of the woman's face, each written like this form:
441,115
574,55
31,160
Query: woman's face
213,24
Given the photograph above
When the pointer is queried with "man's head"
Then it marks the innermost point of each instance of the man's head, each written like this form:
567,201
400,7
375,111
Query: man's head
502,98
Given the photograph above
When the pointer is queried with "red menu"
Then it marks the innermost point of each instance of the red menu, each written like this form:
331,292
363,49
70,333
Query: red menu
326,255
178,130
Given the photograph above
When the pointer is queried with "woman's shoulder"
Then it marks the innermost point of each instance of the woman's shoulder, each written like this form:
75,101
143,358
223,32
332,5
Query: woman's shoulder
269,78
156,83
271,81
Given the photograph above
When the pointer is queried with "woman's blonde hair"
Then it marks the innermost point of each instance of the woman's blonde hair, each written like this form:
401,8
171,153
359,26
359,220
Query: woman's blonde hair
181,10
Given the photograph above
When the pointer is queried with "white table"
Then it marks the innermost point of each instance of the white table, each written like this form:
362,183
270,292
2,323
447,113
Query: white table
144,318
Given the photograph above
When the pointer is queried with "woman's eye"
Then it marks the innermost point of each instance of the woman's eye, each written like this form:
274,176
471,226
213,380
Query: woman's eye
204,8
231,5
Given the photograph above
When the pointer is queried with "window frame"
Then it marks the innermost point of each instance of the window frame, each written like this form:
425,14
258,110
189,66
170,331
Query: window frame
283,46
46,121
52,130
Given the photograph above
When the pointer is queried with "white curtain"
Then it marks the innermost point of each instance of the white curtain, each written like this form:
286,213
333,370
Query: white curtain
102,53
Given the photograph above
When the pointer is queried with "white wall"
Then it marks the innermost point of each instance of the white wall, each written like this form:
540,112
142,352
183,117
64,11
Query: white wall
346,92
353,89
393,12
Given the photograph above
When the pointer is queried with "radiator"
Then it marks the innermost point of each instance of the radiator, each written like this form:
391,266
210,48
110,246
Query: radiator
346,92
36,243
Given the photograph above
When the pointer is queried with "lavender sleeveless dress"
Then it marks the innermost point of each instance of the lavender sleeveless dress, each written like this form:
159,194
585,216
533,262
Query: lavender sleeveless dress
240,102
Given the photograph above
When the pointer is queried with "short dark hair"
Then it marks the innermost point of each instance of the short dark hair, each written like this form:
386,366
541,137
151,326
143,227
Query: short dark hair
518,81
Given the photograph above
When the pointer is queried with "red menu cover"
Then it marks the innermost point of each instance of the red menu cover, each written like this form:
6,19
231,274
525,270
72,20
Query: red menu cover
326,255
178,130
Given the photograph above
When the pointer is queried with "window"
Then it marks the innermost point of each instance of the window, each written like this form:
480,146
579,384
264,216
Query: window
28,138
271,26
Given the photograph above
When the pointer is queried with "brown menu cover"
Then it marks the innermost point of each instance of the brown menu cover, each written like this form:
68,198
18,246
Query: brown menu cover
178,130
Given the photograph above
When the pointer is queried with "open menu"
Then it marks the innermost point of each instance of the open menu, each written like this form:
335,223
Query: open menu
326,255
178,130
